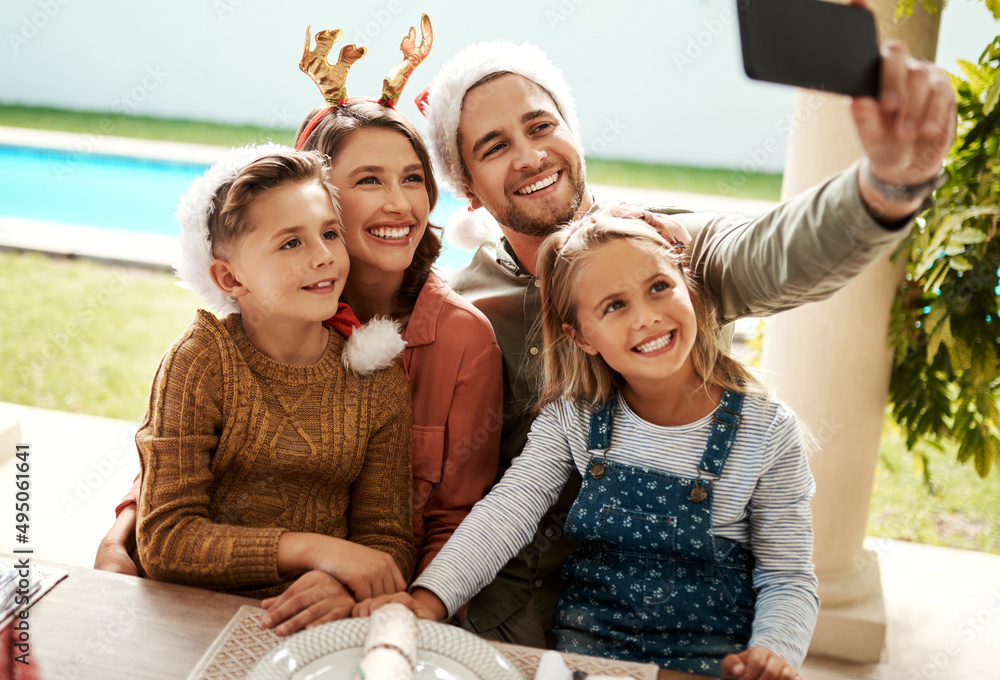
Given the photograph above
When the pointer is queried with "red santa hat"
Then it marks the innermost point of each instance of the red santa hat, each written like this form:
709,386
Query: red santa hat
441,103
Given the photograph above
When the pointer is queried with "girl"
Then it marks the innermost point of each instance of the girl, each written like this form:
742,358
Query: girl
262,454
694,511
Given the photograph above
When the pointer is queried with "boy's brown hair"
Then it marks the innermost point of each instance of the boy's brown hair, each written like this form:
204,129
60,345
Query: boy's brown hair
229,217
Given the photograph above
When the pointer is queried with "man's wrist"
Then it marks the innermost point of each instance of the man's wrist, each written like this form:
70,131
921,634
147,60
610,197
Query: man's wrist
918,194
890,213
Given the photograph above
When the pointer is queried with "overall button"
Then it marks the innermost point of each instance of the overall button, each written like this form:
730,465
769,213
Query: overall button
533,351
550,532
538,283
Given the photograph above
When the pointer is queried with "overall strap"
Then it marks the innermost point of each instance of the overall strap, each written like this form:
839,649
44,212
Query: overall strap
725,423
600,426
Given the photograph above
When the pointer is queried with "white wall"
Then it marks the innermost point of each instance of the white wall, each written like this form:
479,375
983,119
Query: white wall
654,80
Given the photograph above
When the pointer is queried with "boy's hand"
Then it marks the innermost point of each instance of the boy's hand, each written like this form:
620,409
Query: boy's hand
314,598
423,603
366,571
757,663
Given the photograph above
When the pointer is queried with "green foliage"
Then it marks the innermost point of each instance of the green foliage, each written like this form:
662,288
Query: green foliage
904,8
946,331
958,510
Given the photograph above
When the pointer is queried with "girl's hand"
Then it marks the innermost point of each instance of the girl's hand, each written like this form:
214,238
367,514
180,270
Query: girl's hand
757,663
423,603
314,598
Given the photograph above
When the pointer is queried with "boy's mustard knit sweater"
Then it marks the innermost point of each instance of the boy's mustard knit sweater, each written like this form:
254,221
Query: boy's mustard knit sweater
237,448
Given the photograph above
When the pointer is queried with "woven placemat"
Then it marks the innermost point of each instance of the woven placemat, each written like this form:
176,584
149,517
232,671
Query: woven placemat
527,658
242,642
237,648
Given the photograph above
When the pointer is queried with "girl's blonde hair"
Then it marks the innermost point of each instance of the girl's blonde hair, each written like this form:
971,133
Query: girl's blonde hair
570,372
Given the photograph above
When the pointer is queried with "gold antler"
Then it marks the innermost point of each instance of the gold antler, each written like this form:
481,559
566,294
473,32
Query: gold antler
394,82
330,78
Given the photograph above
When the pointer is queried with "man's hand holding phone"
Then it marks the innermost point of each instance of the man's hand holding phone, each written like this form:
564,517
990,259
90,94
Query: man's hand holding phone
904,108
906,133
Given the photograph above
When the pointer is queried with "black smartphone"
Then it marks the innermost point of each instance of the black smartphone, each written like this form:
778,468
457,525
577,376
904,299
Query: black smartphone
810,43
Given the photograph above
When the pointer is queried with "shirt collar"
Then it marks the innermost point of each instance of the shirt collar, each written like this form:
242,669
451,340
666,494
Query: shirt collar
507,258
421,328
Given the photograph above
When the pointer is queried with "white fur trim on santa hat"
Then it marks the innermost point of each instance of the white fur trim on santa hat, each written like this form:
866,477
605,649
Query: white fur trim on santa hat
469,229
447,91
193,210
373,346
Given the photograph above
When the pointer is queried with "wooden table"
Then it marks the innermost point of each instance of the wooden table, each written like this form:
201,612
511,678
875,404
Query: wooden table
98,625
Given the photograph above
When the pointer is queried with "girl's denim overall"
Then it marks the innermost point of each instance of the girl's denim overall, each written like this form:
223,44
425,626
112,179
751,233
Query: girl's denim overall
651,582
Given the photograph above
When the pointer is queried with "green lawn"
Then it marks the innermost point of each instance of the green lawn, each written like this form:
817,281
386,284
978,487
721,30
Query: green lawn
959,511
88,338
84,337
759,185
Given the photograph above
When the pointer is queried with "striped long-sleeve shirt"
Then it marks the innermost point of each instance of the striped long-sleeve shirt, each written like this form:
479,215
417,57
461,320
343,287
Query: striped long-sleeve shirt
762,501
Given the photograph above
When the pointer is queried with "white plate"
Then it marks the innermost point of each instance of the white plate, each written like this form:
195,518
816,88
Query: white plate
333,650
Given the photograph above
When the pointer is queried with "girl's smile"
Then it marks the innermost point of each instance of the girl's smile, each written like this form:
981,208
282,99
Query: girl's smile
657,345
635,311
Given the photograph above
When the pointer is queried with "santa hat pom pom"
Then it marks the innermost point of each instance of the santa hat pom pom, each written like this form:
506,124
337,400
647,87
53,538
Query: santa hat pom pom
373,346
470,228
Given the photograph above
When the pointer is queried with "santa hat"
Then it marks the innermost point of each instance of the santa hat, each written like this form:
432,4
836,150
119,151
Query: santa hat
369,347
443,104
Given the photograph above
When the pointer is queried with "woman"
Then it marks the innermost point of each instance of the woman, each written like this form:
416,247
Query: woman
386,191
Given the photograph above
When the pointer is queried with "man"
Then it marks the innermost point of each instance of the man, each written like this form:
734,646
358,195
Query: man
502,130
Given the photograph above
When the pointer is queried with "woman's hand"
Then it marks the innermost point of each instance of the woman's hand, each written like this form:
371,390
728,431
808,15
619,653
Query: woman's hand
113,552
314,598
423,603
367,572
757,663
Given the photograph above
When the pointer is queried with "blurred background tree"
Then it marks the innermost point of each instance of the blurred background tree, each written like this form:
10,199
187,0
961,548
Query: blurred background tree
946,331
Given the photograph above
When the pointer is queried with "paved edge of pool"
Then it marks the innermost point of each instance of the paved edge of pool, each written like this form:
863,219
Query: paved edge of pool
115,246
96,143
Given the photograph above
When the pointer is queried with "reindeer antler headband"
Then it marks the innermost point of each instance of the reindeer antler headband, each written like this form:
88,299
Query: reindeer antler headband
331,78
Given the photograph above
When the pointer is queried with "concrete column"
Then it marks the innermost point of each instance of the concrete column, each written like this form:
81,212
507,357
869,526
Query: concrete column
831,363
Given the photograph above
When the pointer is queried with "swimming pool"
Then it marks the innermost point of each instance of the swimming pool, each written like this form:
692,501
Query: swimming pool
124,193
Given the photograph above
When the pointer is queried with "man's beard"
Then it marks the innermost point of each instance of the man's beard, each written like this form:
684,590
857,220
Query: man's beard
517,221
